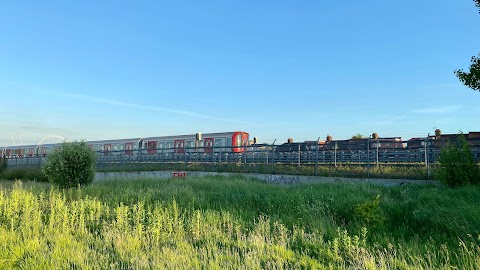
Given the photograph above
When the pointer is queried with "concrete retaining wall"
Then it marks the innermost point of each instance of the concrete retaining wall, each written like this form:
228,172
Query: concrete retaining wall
274,179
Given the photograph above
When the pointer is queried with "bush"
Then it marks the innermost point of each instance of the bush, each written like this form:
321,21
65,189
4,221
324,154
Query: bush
457,165
70,165
3,164
369,212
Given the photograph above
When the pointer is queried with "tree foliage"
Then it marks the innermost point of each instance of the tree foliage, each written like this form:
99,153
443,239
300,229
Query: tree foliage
472,77
71,165
358,136
456,164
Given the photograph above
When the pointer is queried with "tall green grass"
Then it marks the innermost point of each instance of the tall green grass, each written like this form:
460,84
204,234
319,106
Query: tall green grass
388,171
235,222
26,173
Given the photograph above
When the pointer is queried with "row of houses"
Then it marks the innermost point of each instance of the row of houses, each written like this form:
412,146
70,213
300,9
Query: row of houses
375,142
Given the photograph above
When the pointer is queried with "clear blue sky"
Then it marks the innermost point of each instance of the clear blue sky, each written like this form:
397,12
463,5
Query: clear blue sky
277,69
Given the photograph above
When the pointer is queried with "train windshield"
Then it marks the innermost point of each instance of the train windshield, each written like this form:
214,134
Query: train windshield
242,139
239,139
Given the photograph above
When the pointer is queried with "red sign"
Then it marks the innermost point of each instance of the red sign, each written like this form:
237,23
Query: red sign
179,174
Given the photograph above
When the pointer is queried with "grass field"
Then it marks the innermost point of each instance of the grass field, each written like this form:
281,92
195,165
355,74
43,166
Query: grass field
232,223
387,171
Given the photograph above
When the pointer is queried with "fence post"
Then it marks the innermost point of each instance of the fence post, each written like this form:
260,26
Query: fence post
335,153
139,152
273,156
316,157
299,154
185,157
245,155
368,157
213,156
426,157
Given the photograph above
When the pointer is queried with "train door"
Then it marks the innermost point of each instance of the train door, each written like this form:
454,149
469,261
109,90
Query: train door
179,146
107,148
152,147
208,145
129,149
245,139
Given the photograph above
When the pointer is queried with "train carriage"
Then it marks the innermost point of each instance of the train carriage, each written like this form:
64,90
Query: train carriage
196,143
118,147
19,151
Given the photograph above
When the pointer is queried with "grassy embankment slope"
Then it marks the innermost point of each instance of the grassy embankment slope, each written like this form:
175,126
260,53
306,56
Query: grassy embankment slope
232,223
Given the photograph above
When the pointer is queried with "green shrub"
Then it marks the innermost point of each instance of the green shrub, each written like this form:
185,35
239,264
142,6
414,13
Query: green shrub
457,165
71,165
3,164
369,212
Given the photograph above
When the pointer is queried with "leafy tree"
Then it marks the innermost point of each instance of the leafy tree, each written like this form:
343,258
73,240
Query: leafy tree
70,165
456,164
472,77
357,136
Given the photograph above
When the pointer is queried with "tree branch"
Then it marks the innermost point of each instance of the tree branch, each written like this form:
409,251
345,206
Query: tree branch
472,78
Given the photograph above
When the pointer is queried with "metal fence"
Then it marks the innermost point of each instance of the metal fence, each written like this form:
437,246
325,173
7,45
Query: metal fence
271,159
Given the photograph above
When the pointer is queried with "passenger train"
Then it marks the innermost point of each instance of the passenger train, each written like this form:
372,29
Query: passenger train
238,142
200,143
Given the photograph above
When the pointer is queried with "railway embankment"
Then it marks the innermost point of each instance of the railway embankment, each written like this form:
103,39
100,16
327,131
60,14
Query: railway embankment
269,178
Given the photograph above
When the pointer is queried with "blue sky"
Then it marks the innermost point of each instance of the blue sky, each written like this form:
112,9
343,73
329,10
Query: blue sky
277,69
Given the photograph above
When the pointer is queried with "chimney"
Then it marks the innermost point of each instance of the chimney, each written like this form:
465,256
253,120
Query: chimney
438,134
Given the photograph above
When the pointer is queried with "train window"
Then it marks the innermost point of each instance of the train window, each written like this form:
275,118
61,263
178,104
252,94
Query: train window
161,145
219,142
229,142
